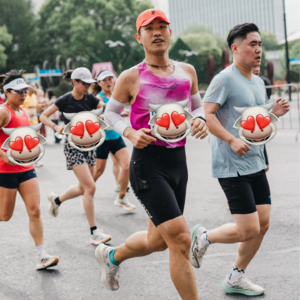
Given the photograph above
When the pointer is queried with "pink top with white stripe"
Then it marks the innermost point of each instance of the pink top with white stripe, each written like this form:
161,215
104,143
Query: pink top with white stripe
156,90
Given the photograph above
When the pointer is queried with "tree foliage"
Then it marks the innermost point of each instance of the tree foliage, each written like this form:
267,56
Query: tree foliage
5,40
18,17
269,41
79,29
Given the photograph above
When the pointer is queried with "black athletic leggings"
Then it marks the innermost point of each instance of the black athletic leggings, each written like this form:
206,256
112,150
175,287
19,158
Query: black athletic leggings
158,177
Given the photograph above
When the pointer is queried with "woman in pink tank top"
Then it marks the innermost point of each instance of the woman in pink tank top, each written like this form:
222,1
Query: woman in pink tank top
15,178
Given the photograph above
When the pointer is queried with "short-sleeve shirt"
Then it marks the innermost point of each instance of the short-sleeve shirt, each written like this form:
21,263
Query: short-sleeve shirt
230,88
110,134
68,104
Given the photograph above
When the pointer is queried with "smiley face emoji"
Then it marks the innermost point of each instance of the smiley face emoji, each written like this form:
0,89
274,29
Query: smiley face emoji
85,130
171,121
256,124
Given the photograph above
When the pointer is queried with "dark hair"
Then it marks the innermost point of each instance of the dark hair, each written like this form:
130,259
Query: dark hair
12,75
241,31
50,94
67,74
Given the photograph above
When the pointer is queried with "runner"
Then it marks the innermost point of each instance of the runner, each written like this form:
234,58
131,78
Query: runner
114,144
15,178
158,172
239,168
82,163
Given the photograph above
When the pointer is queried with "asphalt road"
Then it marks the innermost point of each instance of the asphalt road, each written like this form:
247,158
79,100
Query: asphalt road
77,276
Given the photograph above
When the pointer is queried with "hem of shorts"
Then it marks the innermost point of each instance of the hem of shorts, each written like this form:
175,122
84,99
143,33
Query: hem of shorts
16,172
79,165
236,175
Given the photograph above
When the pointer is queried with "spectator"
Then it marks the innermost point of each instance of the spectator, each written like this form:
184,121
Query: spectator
256,71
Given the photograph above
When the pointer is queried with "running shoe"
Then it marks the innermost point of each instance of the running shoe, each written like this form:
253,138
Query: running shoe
124,203
242,286
198,249
53,209
99,237
117,188
109,271
46,261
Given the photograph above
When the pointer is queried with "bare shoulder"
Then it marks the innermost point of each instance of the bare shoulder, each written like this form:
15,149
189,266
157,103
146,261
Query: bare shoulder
188,68
129,76
4,116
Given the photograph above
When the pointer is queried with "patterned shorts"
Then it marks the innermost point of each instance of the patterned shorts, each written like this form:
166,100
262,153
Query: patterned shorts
75,157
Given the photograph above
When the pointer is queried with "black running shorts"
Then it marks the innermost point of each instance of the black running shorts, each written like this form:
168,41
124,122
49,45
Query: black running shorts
245,192
112,146
13,180
158,177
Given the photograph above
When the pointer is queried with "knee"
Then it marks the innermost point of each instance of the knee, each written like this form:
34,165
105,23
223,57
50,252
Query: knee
98,172
5,217
249,234
90,188
181,242
34,212
264,227
159,245
125,167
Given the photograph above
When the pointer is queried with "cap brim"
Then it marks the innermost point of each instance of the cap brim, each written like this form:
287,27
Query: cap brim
147,22
21,86
88,80
104,76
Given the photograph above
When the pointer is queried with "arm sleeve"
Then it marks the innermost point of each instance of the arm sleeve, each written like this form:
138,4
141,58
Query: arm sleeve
218,90
196,107
112,116
94,100
60,103
266,155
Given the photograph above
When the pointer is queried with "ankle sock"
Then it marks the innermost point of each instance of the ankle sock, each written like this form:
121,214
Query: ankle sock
111,257
121,196
235,274
39,250
204,238
57,201
92,229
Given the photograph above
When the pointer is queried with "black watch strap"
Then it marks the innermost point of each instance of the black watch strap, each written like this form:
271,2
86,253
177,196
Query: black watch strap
201,119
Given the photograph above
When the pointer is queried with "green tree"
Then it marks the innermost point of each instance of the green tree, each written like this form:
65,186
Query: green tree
79,29
18,17
5,40
269,41
176,51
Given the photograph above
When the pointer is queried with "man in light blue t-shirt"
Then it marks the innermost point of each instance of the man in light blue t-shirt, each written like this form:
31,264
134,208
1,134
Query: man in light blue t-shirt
240,168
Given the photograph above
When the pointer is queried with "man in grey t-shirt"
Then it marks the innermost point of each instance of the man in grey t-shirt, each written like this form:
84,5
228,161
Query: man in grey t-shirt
240,168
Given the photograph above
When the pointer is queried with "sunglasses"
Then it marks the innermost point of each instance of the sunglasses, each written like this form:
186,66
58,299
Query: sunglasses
20,92
86,84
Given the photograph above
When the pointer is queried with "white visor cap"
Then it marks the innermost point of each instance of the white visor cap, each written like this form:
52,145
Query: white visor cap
17,84
83,74
105,74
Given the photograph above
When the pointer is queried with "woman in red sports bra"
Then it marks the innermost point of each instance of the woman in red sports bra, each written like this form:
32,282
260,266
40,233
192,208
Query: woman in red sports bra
15,178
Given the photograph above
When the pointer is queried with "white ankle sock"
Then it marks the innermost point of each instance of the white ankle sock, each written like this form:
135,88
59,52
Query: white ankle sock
39,250
235,274
204,239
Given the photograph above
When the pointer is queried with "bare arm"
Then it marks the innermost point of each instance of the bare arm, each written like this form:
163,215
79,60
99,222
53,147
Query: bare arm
4,117
101,102
45,118
199,127
125,90
215,127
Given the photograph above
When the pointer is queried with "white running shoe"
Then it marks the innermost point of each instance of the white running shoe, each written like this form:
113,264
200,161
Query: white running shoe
99,237
53,209
109,271
46,261
242,286
124,203
198,249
